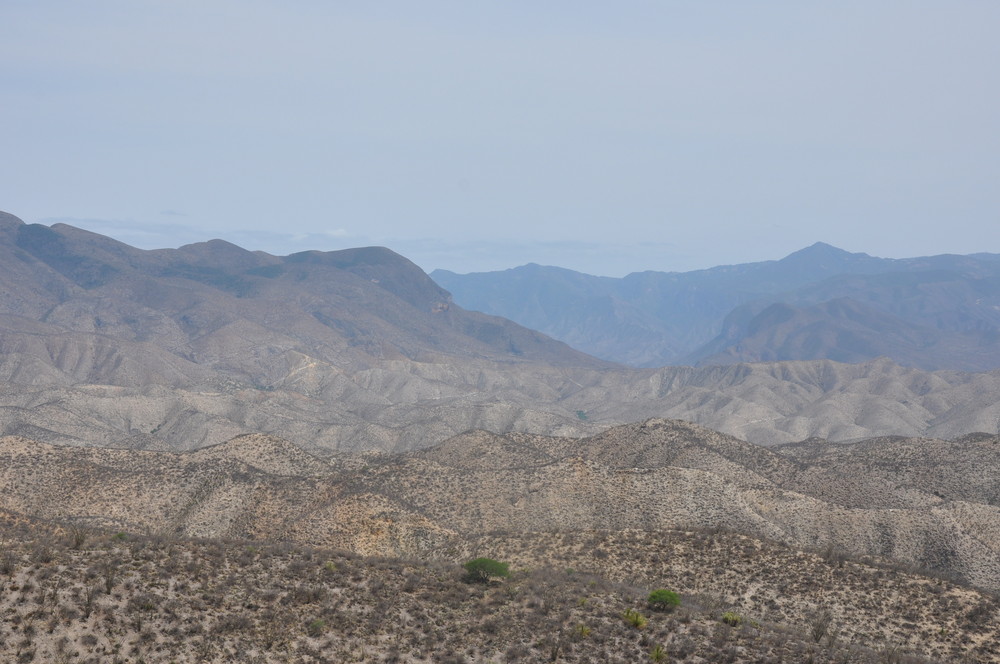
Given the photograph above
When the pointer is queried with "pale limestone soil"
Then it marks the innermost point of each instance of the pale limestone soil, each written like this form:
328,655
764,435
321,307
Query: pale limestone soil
870,603
156,600
655,475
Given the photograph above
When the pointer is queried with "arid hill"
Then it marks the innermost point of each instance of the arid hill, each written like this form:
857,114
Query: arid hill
92,597
804,552
925,502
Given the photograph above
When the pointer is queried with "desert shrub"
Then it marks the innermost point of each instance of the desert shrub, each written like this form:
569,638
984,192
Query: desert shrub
411,583
732,618
658,654
820,624
42,554
634,618
517,652
483,570
8,562
305,594
235,622
77,537
663,600
109,572
142,602
316,627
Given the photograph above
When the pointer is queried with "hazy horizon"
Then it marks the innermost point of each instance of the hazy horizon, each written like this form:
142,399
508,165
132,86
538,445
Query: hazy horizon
652,136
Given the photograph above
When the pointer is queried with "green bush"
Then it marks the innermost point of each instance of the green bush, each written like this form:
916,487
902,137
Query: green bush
482,570
663,600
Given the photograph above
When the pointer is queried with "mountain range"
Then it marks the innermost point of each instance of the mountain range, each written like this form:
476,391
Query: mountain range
937,312
105,344
200,446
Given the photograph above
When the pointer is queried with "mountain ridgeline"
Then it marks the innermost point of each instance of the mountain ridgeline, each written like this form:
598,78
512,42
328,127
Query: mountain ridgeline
937,312
105,344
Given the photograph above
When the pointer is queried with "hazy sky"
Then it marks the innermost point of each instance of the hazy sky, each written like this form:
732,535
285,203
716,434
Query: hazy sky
603,137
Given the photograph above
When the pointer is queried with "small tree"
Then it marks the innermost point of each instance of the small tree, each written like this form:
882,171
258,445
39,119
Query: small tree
482,570
663,600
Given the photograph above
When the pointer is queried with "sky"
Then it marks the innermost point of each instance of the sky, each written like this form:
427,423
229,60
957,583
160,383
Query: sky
473,136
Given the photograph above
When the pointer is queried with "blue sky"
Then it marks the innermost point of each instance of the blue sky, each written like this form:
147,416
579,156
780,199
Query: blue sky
602,137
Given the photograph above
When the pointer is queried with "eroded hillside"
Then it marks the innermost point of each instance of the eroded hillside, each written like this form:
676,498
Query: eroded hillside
105,344
84,596
928,503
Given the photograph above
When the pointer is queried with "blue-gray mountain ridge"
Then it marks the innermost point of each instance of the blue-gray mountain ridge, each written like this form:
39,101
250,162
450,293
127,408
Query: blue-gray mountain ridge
935,312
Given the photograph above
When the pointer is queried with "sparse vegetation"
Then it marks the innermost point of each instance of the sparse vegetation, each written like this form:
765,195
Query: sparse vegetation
218,601
569,593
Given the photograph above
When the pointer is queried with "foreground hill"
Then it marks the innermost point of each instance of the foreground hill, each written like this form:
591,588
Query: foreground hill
804,552
926,502
90,597
937,312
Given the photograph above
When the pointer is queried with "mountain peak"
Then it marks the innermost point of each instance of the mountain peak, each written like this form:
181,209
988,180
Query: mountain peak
219,253
819,250
9,221
346,259
821,259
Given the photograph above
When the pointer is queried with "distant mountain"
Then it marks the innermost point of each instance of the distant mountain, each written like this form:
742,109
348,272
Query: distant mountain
105,344
216,305
339,338
845,331
933,312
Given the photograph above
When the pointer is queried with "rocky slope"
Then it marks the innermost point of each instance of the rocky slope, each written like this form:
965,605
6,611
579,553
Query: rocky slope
92,597
926,502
